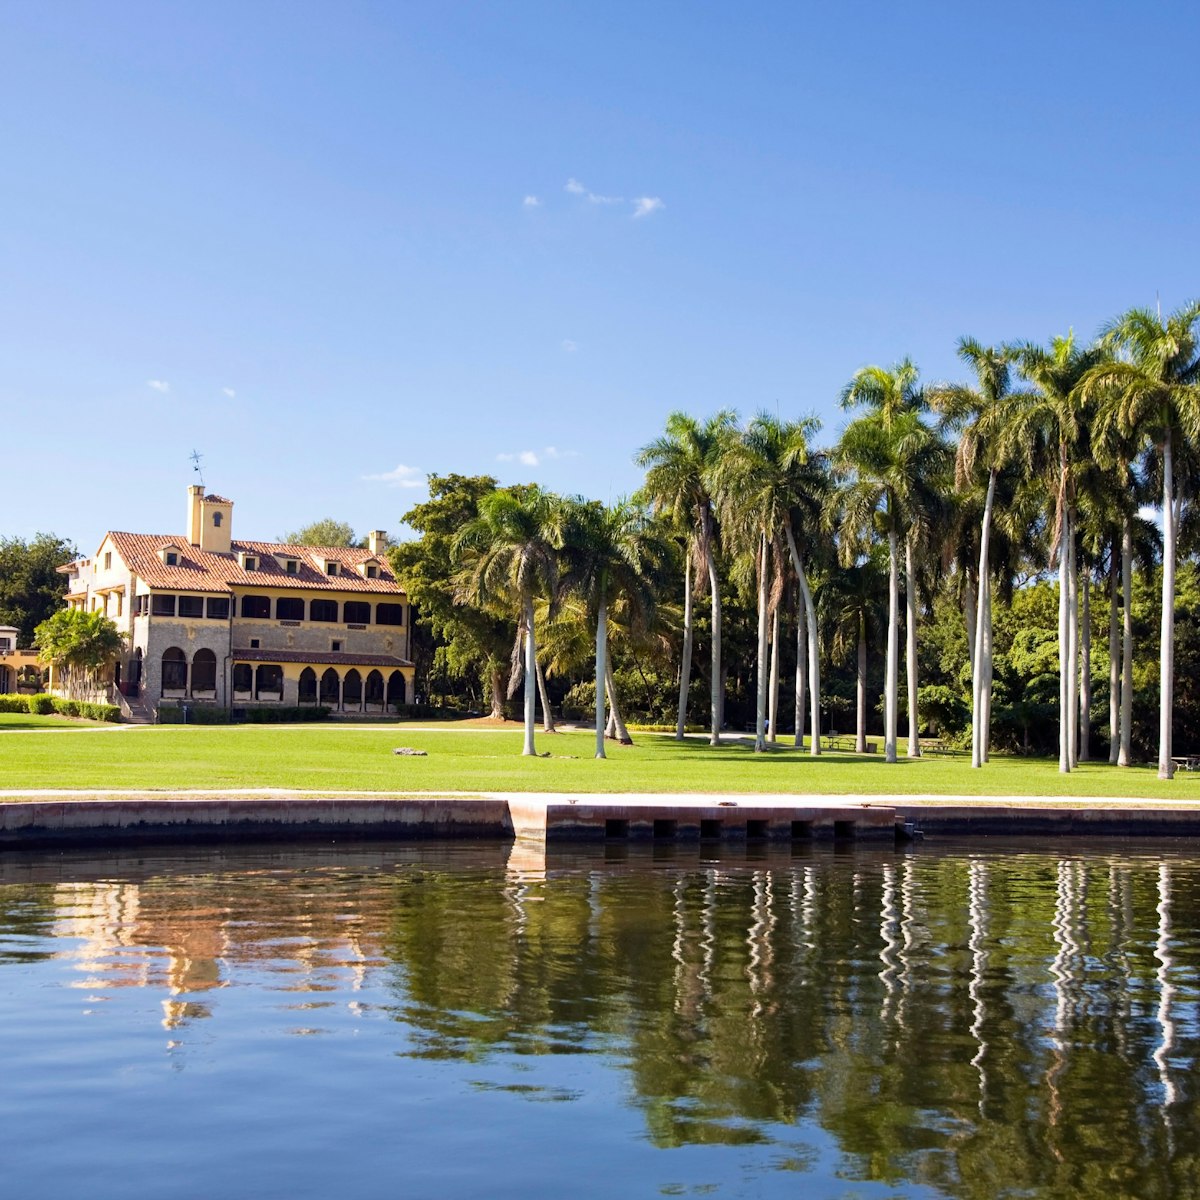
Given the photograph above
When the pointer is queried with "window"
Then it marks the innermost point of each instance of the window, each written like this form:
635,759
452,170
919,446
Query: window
258,607
331,568
372,571
255,643
389,614
5,643
289,608
292,566
268,682
217,520
251,563
336,646
218,608
162,606
323,610
204,672
243,678
108,560
141,605
356,612
191,606
174,669
171,558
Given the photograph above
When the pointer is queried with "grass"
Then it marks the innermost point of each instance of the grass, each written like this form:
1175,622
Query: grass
171,758
48,721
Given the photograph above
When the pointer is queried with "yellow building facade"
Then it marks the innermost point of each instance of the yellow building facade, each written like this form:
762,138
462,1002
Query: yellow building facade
212,620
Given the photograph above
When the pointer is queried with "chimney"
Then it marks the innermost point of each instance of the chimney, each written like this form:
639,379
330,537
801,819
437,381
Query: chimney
377,541
195,520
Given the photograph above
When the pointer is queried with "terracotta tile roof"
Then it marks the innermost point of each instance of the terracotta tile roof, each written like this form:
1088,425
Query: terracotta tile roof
213,498
343,658
203,571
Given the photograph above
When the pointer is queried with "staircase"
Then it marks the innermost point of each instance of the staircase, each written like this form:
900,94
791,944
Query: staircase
134,710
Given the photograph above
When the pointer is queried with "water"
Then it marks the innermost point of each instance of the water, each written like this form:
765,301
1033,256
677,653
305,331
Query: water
465,1021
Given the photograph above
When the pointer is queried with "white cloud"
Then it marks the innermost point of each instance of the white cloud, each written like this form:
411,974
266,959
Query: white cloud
594,199
643,206
159,385
575,187
569,347
227,391
532,202
401,476
534,458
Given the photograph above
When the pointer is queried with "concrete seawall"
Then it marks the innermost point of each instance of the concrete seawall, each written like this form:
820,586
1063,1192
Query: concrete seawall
123,818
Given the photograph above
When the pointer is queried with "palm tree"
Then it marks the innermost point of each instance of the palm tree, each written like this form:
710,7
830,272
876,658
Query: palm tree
976,414
851,598
896,462
510,552
1152,392
676,466
767,482
78,644
1048,432
609,554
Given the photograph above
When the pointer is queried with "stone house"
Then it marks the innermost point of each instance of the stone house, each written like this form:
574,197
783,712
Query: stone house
20,670
211,620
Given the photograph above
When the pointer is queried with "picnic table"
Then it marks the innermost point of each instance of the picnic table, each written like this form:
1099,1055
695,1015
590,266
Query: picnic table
1187,762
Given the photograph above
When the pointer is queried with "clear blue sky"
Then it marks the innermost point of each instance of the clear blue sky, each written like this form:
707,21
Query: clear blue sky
296,237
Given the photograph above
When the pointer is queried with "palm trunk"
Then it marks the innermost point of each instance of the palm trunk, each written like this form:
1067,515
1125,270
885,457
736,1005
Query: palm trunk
1166,670
1125,758
910,650
619,730
860,726
970,620
1072,646
801,664
1114,660
1064,700
497,695
976,637
760,712
601,672
814,647
892,679
685,667
530,678
1085,665
985,728
773,686
717,715
547,711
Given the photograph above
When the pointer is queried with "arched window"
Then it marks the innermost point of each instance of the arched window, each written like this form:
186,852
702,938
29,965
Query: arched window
256,606
330,684
395,690
268,682
374,689
356,612
174,671
352,689
389,614
323,610
307,693
204,672
243,680
289,608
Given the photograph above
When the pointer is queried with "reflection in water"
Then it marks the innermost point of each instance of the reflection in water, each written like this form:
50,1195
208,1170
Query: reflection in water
969,1025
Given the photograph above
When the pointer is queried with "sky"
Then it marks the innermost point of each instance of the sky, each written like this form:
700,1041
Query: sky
336,247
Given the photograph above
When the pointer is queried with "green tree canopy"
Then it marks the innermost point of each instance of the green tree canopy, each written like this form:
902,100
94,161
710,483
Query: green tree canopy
30,586
78,644
325,532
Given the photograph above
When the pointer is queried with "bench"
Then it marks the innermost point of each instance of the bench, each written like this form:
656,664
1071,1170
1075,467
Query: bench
1187,762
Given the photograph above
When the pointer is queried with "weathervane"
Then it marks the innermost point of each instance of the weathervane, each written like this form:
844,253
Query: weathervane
196,456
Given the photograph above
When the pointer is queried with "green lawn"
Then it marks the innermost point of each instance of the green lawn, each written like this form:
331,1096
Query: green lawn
313,758
48,721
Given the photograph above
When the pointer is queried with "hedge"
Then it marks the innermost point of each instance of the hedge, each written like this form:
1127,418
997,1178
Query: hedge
208,714
41,705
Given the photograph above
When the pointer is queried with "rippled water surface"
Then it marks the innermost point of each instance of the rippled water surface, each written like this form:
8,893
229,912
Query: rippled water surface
453,1021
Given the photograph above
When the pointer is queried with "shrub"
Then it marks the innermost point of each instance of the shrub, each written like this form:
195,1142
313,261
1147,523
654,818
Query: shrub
40,705
14,704
208,714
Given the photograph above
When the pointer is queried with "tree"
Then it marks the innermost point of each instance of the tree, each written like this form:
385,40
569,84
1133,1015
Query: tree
78,644
325,532
610,553
1152,392
677,466
510,553
473,640
31,586
895,463
851,601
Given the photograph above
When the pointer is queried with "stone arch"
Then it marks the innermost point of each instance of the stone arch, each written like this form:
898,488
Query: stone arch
373,692
243,681
204,672
352,689
174,671
307,689
396,691
331,689
268,682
